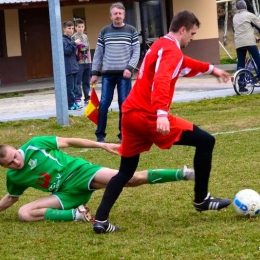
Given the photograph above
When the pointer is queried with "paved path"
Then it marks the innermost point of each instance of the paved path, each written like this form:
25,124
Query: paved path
38,99
41,104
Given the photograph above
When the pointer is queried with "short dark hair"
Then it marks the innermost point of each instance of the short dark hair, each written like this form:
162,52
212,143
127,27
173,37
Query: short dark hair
67,24
184,18
78,21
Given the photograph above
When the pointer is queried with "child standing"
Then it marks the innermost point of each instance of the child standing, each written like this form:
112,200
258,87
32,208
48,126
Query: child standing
84,61
71,64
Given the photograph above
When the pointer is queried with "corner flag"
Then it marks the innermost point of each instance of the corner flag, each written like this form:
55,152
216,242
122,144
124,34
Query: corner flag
91,110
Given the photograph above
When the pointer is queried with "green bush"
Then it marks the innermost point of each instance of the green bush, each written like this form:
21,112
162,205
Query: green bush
228,61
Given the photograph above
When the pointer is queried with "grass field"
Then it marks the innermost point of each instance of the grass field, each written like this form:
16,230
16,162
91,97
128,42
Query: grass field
230,47
157,221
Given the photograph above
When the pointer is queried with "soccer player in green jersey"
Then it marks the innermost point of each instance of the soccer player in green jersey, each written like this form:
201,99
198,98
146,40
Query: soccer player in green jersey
41,164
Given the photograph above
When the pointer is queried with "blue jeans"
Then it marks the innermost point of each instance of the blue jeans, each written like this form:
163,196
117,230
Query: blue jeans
241,56
71,81
109,82
84,78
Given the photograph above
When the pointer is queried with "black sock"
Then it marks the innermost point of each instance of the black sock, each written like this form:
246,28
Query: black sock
127,168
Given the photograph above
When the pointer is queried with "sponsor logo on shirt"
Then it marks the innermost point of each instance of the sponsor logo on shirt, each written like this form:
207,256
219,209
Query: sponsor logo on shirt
43,180
56,185
32,163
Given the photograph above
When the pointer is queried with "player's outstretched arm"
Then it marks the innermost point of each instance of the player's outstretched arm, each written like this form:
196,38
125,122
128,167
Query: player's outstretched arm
86,143
7,201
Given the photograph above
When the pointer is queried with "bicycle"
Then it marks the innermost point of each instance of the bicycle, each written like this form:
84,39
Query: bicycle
246,79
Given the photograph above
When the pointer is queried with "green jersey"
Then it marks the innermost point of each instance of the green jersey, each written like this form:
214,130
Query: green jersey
45,167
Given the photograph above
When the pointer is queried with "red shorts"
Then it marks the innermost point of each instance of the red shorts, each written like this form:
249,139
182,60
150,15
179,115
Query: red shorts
139,133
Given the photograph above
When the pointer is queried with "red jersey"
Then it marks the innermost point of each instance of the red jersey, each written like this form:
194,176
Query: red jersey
163,64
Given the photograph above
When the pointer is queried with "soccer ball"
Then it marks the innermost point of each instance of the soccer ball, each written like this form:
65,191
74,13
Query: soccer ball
247,203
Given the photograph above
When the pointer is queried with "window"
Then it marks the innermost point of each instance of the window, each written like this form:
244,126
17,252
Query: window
130,14
152,12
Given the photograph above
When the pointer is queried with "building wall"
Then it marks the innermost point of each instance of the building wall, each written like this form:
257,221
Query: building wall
15,61
94,21
97,16
13,42
206,38
206,46
13,68
206,12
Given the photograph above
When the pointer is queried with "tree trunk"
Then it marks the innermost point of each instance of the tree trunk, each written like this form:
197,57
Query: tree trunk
225,24
256,10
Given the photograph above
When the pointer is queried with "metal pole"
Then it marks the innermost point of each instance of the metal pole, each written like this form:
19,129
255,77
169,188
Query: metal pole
62,112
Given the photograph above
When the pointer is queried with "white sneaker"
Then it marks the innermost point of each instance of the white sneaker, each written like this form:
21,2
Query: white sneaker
83,214
188,173
79,105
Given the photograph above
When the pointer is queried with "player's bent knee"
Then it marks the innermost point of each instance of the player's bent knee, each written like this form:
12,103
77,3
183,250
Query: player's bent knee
23,214
212,140
207,142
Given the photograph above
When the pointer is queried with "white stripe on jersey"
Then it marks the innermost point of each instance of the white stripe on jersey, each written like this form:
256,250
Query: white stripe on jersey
30,147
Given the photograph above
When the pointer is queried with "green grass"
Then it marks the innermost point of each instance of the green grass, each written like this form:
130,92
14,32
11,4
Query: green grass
228,61
10,95
157,221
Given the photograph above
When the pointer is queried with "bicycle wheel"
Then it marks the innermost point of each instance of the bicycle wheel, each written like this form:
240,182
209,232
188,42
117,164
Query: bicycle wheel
244,82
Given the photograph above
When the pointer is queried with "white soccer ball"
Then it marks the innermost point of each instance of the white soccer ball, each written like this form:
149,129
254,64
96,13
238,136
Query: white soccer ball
247,203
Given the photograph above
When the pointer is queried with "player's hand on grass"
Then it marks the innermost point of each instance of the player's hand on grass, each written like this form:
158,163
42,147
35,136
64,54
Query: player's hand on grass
163,125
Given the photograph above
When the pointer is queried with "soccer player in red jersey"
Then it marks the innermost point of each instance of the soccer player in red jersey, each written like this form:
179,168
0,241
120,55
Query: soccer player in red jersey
146,119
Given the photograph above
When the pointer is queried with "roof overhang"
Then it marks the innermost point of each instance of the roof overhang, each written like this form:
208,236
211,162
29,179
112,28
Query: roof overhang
30,1
20,1
25,4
